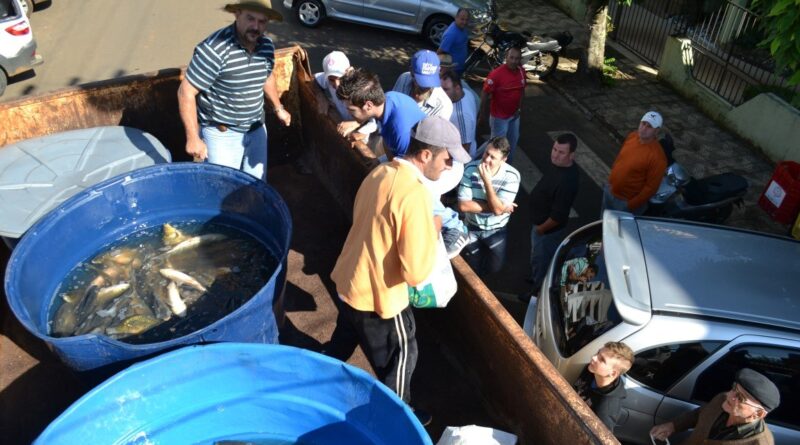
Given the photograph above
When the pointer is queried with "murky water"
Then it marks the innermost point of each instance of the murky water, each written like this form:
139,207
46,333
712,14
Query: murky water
161,283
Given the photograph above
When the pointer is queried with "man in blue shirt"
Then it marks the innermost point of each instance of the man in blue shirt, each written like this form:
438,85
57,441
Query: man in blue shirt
396,113
455,40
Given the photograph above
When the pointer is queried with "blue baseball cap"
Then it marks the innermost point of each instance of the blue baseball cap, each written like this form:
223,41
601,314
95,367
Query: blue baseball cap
425,67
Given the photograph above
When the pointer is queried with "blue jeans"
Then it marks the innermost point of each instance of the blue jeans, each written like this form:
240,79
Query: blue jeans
543,247
508,128
486,250
611,202
243,151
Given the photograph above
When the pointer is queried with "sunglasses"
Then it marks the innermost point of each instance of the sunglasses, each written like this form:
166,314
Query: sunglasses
739,396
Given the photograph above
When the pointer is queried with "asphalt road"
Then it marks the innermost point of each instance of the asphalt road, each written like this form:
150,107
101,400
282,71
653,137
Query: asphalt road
103,39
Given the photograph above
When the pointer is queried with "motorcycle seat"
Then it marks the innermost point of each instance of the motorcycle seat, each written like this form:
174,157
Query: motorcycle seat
714,188
548,45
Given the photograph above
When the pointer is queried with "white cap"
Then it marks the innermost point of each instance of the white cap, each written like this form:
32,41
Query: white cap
335,64
653,118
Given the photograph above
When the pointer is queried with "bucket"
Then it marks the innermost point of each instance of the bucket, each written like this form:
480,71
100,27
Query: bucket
243,393
79,227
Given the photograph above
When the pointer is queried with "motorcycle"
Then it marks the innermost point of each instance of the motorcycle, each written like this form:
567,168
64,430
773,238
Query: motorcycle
709,199
539,53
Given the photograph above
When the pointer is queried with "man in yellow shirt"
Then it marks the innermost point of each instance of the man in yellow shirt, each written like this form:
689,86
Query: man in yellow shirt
392,244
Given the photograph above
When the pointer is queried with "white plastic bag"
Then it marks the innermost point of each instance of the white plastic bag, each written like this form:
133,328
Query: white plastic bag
439,287
475,435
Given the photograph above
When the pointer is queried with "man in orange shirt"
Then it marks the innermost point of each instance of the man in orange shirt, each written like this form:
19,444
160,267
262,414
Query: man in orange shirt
638,169
391,244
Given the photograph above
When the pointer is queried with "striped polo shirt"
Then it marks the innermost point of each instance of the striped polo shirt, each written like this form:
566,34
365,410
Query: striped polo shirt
506,185
230,80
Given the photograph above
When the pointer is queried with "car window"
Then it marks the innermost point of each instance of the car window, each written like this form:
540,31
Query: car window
581,301
662,366
7,9
781,365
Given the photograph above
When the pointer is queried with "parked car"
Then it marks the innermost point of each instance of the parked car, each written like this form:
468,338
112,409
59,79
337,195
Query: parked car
429,18
695,302
17,45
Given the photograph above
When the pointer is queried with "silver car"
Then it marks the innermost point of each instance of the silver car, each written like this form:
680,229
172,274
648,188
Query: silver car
695,302
429,18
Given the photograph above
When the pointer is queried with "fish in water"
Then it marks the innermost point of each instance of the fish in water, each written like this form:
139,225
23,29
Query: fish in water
107,294
182,279
175,301
195,241
65,320
133,325
172,236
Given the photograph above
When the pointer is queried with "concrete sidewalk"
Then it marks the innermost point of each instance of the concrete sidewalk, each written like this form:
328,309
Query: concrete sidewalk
703,147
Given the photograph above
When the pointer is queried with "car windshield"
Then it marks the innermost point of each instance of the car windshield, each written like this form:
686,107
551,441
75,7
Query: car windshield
580,296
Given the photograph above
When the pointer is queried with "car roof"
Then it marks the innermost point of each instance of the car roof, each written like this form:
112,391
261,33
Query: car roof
715,271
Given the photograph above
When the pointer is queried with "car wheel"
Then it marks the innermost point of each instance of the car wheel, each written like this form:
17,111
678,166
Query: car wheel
3,81
310,12
435,28
27,7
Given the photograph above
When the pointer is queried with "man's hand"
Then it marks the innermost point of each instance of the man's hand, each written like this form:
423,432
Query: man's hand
486,174
284,116
510,208
197,149
347,127
663,430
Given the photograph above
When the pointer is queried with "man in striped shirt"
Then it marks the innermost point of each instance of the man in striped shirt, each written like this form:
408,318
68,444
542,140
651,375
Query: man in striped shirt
486,196
221,98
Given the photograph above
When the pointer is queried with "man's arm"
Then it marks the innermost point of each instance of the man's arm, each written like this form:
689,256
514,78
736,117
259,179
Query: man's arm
549,224
495,204
483,109
271,91
187,108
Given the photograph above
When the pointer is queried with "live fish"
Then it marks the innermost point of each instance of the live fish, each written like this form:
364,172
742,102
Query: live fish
172,236
195,241
182,279
175,302
133,325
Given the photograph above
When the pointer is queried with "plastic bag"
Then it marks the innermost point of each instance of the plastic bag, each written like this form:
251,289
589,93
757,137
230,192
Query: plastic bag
439,287
475,435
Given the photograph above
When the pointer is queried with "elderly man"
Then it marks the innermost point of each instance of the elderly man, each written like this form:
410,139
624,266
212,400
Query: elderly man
392,244
503,91
638,169
423,85
732,417
486,196
221,99
455,40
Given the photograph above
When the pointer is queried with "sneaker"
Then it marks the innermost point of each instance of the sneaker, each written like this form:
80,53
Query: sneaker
424,417
454,241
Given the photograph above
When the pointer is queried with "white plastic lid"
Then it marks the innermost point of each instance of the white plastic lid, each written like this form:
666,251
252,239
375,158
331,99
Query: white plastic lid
38,174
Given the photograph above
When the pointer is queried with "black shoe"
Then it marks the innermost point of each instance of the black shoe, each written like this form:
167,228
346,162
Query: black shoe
424,417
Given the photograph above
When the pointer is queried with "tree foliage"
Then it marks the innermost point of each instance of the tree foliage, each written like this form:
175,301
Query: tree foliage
781,21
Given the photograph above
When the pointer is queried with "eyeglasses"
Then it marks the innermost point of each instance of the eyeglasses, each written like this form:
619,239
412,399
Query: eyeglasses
741,398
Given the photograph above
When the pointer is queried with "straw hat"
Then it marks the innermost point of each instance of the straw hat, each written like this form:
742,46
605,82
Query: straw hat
262,6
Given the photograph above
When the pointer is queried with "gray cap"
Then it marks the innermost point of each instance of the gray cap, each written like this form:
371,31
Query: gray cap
440,132
760,387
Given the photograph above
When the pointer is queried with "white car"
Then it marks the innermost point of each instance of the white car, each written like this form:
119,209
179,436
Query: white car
429,18
17,45
695,302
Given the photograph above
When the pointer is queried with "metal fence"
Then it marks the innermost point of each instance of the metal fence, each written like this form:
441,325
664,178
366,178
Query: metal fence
725,38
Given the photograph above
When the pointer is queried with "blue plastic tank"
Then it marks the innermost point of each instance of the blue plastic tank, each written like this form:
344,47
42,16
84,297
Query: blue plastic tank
79,227
264,394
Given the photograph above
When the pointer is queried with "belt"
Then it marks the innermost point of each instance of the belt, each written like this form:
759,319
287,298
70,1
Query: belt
225,127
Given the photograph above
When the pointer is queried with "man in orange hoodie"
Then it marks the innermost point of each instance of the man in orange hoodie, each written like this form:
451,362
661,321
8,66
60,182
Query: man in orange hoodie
638,169
392,244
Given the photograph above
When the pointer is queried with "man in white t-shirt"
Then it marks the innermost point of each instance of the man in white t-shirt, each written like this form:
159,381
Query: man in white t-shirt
465,109
423,85
334,66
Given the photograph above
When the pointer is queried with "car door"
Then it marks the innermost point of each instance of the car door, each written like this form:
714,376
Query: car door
392,13
346,7
777,358
655,370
